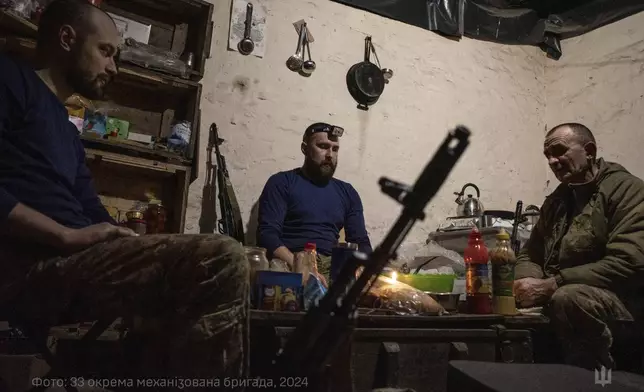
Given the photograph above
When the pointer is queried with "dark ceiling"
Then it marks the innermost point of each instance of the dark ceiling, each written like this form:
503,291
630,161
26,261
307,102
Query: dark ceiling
524,22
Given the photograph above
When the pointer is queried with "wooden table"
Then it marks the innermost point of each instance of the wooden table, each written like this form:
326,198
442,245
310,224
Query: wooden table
409,350
366,320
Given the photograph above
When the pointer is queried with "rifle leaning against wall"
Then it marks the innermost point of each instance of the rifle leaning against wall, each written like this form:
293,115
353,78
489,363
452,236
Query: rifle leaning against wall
230,223
328,325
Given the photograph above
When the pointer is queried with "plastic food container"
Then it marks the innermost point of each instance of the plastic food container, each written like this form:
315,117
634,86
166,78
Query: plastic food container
438,283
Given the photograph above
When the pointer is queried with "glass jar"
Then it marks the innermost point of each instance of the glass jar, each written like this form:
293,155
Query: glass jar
136,222
155,217
257,258
258,262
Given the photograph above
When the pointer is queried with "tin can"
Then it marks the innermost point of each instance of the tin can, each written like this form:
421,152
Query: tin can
340,254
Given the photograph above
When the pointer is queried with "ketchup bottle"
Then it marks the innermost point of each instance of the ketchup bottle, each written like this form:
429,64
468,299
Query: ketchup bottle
478,287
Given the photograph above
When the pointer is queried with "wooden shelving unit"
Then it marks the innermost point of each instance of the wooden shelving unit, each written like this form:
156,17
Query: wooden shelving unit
126,172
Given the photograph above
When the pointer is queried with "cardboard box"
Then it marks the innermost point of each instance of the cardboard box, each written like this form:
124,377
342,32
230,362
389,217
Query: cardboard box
95,123
279,291
129,28
117,128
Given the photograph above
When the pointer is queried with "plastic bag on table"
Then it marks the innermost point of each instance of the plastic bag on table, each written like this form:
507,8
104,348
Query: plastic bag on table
400,298
279,266
313,291
428,256
148,56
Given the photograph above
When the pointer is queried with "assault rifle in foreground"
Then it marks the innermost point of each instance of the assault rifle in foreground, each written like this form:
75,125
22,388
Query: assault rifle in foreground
230,223
328,326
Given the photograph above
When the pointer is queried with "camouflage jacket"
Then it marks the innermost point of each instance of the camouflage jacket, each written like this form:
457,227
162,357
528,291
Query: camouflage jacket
590,234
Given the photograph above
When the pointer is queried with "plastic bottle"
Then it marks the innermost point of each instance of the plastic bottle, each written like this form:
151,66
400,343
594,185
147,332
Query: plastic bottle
503,262
478,287
306,263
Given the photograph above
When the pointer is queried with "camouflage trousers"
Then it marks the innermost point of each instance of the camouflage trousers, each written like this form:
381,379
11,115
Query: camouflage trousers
581,316
191,293
324,266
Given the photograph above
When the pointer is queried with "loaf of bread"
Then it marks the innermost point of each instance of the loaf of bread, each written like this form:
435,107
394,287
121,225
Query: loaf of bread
400,298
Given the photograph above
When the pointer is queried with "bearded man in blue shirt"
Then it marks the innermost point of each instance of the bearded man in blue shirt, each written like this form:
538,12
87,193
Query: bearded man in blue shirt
308,204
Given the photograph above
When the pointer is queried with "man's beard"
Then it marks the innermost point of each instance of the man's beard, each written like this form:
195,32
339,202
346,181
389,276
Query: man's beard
84,84
319,172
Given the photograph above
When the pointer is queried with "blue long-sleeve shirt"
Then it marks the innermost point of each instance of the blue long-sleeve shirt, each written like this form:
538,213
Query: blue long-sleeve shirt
42,160
293,211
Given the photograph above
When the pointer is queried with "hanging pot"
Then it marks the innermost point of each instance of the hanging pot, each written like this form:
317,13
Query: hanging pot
365,80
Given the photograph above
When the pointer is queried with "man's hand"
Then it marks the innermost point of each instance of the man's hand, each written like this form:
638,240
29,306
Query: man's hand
533,292
75,240
285,255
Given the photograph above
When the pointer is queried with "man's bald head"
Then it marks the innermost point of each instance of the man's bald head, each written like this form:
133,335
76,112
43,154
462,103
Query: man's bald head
582,134
571,151
79,41
79,14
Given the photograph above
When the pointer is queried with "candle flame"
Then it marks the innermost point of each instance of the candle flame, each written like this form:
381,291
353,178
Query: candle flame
394,276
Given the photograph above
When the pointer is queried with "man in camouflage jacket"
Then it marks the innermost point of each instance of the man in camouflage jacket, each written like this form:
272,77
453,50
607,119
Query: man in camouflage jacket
585,257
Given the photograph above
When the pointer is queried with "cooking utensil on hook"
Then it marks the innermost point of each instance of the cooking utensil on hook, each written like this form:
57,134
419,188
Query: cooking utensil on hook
295,62
365,80
246,45
309,65
386,72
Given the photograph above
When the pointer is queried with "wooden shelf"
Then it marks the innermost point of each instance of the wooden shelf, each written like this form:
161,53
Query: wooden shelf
142,163
24,41
135,150
18,25
139,106
125,172
26,29
124,182
177,26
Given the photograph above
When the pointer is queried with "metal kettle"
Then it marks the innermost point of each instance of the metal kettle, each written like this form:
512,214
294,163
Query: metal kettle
470,206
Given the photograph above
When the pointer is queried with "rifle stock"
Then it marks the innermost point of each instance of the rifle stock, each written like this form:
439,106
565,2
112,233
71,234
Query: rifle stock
328,325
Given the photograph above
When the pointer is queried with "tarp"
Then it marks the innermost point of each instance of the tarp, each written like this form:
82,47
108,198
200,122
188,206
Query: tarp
523,22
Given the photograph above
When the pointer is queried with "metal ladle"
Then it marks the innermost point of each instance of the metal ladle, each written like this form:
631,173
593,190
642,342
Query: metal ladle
295,62
386,72
309,65
246,45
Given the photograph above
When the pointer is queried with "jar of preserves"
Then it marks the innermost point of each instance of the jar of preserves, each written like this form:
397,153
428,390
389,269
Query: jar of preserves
136,222
155,217
257,258
258,262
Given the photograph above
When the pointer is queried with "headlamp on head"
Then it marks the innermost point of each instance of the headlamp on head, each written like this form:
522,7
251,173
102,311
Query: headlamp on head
332,130
335,131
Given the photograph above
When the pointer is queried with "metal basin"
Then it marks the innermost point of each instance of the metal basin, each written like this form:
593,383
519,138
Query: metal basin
449,301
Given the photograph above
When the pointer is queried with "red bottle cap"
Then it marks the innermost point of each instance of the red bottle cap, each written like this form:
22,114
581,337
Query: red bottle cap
310,246
475,235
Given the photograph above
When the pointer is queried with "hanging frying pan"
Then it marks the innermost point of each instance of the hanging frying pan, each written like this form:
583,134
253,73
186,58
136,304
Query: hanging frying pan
365,80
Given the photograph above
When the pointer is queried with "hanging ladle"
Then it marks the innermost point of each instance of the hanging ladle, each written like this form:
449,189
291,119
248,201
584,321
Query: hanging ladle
246,45
386,72
295,62
309,65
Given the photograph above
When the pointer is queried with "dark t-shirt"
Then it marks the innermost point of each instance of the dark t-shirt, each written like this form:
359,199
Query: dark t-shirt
294,211
42,160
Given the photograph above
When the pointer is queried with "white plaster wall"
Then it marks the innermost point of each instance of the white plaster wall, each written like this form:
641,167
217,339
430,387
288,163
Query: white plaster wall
599,82
496,90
